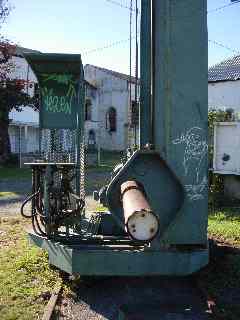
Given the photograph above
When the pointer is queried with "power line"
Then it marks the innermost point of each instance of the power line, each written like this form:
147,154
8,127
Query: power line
116,43
124,6
224,46
108,46
222,7
119,4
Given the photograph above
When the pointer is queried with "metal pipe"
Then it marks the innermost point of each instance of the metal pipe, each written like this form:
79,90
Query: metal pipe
140,221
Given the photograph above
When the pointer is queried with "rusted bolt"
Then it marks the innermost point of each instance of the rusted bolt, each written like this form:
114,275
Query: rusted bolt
143,215
152,230
133,226
134,230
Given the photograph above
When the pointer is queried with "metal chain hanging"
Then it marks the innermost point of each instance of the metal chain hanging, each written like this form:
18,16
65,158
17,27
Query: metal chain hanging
59,146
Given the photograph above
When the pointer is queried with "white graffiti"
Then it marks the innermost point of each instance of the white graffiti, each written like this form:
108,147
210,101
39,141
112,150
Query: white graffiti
195,192
195,153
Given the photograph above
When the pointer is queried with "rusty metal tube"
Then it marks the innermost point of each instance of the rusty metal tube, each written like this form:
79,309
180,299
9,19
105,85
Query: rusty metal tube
140,221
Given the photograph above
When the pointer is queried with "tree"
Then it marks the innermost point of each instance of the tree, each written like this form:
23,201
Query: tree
12,91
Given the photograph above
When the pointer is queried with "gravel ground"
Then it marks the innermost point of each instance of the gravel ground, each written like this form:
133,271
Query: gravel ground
164,298
10,204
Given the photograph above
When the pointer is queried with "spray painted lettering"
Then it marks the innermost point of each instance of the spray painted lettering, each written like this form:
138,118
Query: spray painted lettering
58,103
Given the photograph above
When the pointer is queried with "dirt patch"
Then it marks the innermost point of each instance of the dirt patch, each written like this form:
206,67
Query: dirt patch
13,192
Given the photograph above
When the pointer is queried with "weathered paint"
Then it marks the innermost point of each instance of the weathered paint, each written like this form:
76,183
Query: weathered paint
181,105
174,174
60,77
100,261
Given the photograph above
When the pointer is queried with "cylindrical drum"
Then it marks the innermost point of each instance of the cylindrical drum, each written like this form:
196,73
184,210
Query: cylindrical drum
141,222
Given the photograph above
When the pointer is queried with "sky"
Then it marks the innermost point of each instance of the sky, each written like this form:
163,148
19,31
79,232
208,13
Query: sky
80,26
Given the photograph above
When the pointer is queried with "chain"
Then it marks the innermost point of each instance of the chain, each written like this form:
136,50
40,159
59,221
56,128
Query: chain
59,146
82,170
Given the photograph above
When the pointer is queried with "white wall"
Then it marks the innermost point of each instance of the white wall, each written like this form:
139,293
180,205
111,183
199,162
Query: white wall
24,72
29,138
226,158
113,92
224,94
27,115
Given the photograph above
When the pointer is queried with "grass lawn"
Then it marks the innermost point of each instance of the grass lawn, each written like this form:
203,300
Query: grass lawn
108,160
7,194
225,226
14,173
222,276
26,281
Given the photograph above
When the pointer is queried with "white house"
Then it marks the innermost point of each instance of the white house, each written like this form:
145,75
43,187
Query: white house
23,129
224,93
224,85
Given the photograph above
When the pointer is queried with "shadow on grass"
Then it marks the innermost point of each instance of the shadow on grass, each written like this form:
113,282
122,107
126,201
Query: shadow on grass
228,213
13,173
221,278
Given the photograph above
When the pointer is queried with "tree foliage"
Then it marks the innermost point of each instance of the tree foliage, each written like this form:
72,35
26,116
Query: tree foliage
13,92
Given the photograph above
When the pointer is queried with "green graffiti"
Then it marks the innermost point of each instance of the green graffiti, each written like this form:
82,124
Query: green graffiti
59,78
58,104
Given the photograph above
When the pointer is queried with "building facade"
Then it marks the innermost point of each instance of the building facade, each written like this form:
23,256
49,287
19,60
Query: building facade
224,94
112,121
23,128
224,85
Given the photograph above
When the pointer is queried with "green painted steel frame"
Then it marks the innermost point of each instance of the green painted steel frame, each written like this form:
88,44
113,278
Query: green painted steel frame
146,130
115,262
173,117
174,53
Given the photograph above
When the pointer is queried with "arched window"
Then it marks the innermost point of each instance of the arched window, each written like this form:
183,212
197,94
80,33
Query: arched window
111,120
91,138
88,109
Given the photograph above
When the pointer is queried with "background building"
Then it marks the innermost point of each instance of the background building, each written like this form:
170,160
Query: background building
23,129
109,116
224,94
224,85
112,119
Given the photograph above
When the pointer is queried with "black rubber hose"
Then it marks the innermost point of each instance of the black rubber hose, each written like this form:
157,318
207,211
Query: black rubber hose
25,202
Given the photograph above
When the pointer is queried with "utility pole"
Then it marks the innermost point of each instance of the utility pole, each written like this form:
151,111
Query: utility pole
136,76
130,76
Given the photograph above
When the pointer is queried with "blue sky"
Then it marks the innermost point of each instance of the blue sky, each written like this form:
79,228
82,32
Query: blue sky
78,26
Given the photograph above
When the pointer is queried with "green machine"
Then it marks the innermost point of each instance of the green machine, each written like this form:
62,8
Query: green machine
157,199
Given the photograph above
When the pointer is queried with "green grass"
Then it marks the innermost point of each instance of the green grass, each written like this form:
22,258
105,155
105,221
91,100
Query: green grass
222,275
108,161
225,226
15,173
26,281
7,194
